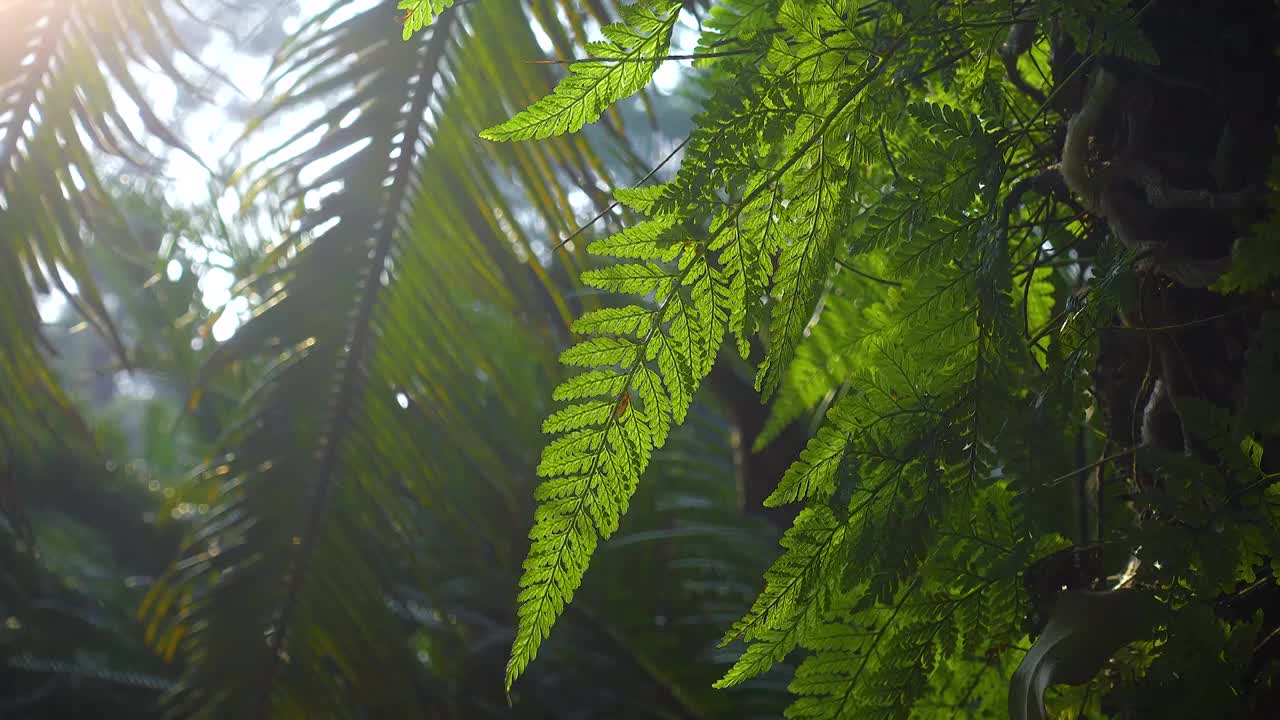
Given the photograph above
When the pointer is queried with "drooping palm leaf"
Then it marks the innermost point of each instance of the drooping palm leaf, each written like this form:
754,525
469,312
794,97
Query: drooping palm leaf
66,86
405,225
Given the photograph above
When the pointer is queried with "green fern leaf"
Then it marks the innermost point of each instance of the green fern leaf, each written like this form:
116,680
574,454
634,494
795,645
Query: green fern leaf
813,474
630,320
645,364
649,240
642,199
632,279
770,648
419,14
795,580
803,266
592,383
947,124
745,252
707,311
601,351
617,69
655,404
583,415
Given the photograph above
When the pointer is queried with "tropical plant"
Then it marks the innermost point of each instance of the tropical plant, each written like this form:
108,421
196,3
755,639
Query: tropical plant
67,85
939,216
356,535
1008,267
436,605
68,522
98,521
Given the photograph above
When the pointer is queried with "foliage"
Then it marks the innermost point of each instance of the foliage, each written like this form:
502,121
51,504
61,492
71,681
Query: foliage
67,74
71,105
618,68
354,537
838,134
1015,281
419,13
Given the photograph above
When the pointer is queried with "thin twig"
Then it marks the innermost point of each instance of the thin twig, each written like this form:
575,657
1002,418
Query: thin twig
1101,461
1052,263
856,271
1189,323
1021,36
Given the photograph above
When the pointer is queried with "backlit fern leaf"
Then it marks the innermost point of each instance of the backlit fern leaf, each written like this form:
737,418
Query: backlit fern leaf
771,646
745,253
796,160
419,14
868,663
804,264
813,473
616,69
878,660
826,357
945,122
648,240
646,362
796,579
736,20
884,463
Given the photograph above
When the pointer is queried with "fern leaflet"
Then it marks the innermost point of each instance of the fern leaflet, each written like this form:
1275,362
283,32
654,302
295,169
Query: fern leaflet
420,13
617,69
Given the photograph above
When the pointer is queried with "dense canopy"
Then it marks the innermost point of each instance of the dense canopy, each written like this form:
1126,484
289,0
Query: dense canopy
716,358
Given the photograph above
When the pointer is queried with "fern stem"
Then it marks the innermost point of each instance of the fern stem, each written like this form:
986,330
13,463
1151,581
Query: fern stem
661,58
1100,461
349,367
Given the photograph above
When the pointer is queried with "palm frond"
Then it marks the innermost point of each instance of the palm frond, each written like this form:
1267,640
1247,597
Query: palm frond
66,84
406,241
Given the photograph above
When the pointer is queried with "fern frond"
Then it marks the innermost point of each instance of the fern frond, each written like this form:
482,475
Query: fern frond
617,69
786,164
794,582
877,660
349,377
421,209
632,279
804,264
746,250
648,240
736,21
772,646
631,320
822,371
845,677
420,13
648,363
